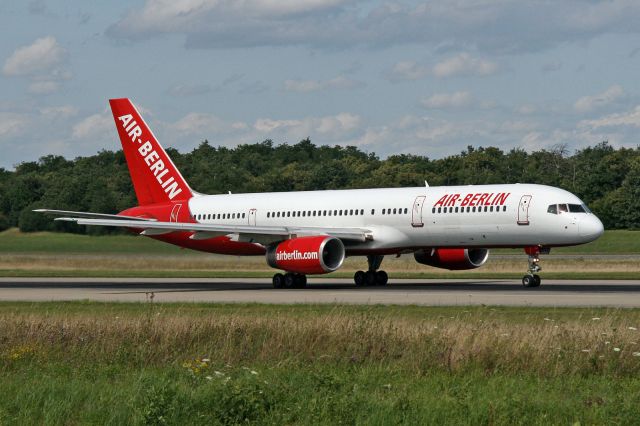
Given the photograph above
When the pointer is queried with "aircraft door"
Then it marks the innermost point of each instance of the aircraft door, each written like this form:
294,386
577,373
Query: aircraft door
175,213
252,217
416,212
523,210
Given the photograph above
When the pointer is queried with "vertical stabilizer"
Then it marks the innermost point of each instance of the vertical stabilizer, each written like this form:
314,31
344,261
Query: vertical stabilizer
155,178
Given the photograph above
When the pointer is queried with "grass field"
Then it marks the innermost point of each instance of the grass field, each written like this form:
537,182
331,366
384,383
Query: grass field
56,254
227,364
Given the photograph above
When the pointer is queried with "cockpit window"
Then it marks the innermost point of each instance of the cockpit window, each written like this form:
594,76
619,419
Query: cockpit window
553,208
576,208
562,208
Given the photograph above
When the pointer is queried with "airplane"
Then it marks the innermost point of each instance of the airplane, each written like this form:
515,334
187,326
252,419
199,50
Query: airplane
312,232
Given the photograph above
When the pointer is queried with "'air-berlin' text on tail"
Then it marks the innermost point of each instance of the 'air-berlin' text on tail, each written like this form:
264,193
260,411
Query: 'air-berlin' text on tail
155,178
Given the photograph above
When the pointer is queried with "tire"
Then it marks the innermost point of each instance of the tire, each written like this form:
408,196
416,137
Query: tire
289,280
301,280
358,278
382,278
536,280
278,280
528,281
370,278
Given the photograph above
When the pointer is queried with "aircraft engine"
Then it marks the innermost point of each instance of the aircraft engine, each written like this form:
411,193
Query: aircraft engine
307,255
453,258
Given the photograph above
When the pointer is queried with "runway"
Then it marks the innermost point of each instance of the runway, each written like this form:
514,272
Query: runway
428,292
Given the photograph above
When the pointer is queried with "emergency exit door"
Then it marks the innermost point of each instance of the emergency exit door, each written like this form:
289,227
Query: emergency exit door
523,210
416,212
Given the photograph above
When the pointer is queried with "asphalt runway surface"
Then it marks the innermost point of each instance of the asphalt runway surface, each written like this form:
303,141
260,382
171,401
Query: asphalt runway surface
428,292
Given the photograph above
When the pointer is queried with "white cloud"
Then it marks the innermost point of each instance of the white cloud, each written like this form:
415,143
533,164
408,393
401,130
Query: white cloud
447,100
204,125
338,83
43,87
630,118
408,70
95,126
590,103
41,62
498,26
329,127
464,64
59,112
41,56
187,90
12,124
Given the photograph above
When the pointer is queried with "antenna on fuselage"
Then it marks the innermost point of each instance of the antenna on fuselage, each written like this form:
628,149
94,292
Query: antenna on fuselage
426,183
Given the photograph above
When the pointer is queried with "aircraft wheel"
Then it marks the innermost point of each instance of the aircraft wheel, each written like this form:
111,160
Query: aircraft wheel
301,280
537,280
358,278
370,278
278,280
529,281
382,278
289,280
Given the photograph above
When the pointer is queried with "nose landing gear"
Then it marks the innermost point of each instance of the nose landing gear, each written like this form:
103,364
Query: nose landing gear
532,279
373,276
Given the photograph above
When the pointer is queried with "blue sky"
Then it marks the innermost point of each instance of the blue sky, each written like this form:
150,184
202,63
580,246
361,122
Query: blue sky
390,77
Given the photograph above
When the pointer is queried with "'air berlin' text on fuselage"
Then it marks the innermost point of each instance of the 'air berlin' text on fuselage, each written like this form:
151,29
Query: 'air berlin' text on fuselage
477,199
151,157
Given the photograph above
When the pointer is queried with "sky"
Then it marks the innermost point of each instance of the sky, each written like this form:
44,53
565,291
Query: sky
390,77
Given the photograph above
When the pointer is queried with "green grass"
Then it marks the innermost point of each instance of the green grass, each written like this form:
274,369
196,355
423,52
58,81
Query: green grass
99,363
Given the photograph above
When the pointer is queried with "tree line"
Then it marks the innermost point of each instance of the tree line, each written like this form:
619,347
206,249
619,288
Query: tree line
606,179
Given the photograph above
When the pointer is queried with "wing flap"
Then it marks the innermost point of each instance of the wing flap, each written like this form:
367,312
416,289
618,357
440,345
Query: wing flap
245,232
89,215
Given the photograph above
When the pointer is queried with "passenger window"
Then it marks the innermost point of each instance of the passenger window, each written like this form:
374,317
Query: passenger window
329,212
243,215
433,210
394,211
491,209
456,210
351,212
373,211
355,212
324,212
361,212
553,208
486,209
304,213
335,212
504,209
439,209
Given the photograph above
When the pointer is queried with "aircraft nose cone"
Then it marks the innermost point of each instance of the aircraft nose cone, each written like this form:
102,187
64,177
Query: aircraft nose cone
591,228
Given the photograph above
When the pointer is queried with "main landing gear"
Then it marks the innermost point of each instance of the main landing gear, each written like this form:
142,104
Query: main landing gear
289,280
373,276
532,279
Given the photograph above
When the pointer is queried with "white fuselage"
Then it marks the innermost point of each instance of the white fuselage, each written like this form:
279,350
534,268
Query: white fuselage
515,215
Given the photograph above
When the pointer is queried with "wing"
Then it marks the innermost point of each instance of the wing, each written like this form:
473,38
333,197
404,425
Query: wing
89,215
243,233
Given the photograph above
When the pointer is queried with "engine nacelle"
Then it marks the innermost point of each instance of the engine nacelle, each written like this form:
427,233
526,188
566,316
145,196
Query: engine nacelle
452,258
307,255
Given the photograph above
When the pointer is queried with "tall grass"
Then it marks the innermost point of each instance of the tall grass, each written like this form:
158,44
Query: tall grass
78,363
461,342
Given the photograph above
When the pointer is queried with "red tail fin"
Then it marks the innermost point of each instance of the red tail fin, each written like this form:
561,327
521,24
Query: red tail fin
155,178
